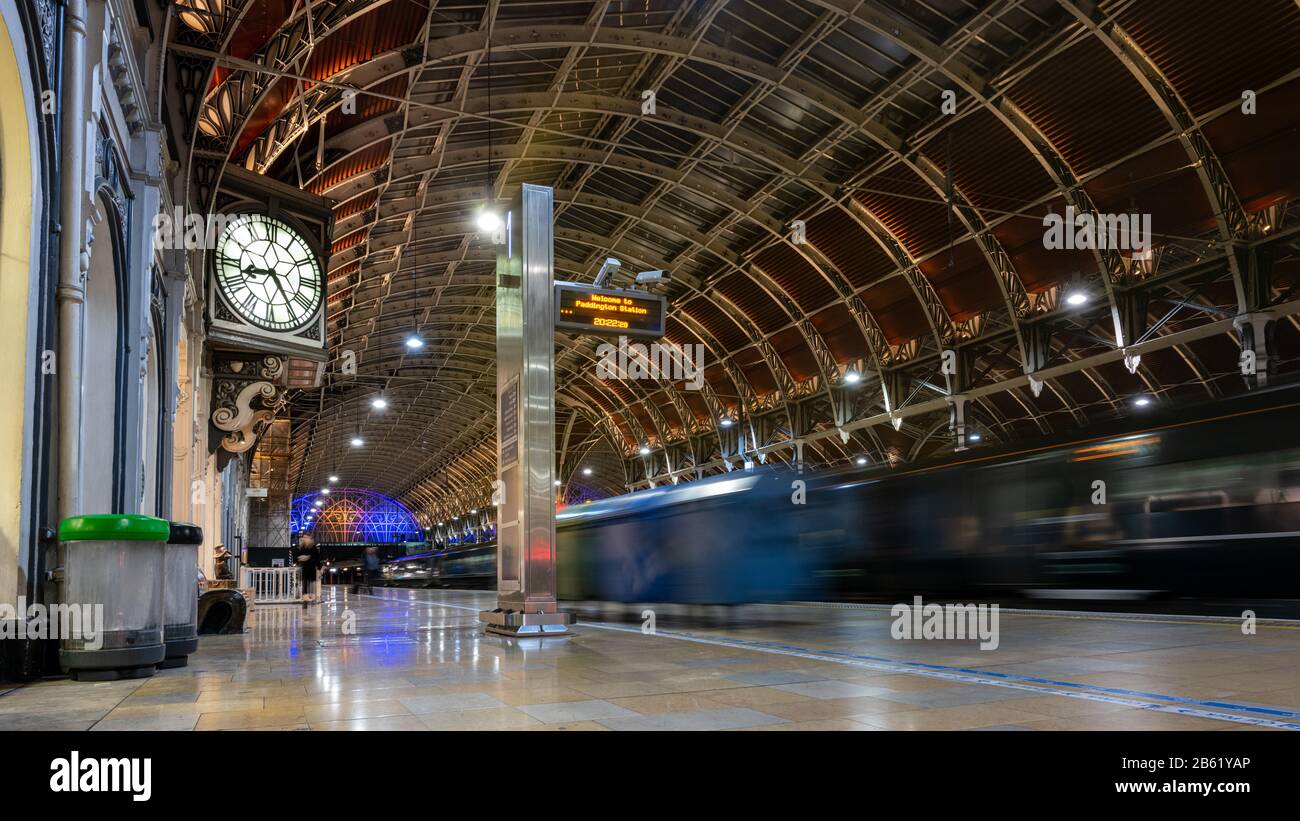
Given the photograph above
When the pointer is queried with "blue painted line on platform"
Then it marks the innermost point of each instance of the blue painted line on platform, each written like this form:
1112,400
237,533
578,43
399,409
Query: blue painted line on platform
1179,705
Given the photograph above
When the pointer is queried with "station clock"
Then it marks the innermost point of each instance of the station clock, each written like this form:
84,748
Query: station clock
268,274
267,289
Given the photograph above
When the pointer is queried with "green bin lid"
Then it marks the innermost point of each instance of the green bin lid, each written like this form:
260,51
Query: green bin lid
114,527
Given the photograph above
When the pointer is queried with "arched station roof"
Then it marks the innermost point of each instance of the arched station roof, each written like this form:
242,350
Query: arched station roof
924,221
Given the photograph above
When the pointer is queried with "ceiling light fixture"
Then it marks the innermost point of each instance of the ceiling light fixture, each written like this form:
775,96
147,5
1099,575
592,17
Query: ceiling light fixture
357,441
586,471
414,342
333,479
488,220
861,460
379,403
852,377
645,450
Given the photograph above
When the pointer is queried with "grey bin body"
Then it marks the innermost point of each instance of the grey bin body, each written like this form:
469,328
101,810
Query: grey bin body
180,594
112,566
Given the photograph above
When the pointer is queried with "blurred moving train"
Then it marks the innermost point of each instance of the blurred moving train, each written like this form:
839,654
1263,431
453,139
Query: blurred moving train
1206,504
471,564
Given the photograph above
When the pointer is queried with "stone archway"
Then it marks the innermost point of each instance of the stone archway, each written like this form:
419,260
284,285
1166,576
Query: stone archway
19,202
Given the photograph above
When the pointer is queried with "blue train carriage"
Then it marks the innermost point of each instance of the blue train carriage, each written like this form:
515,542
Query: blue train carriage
1202,502
725,540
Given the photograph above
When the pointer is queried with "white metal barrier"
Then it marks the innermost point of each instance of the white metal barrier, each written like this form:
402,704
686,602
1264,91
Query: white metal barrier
274,585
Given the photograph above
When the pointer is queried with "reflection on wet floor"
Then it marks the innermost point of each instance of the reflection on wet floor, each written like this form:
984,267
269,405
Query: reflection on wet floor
419,659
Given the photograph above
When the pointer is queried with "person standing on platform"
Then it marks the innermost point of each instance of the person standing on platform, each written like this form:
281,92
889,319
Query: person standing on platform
370,568
307,557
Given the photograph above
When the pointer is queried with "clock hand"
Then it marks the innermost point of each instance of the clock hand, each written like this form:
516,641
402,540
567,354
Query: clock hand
278,286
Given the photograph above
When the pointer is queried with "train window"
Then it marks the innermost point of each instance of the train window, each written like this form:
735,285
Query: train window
1172,480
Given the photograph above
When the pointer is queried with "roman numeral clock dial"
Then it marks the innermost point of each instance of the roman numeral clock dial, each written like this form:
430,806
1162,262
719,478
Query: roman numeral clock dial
268,274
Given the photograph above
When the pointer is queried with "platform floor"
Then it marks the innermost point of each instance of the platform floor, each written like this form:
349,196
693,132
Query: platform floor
419,660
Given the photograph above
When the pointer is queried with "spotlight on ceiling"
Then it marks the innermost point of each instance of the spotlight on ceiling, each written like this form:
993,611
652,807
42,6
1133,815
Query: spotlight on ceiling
861,460
1142,401
725,422
973,437
557,482
357,441
474,510
318,503
489,221
586,471
414,343
644,450
333,479
852,377
379,403
1077,297
325,490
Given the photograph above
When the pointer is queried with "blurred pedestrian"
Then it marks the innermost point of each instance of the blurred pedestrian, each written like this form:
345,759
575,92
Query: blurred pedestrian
307,557
370,568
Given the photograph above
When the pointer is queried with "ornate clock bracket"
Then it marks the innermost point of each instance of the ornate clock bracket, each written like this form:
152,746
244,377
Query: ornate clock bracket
248,389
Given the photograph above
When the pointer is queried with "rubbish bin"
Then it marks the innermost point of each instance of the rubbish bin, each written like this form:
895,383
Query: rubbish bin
112,568
181,596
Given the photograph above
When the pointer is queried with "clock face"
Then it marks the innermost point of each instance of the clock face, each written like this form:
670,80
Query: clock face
268,274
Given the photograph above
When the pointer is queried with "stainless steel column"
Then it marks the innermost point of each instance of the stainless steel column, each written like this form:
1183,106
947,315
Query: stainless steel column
526,579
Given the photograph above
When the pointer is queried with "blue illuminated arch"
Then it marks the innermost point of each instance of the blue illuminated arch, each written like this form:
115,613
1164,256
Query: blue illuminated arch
351,515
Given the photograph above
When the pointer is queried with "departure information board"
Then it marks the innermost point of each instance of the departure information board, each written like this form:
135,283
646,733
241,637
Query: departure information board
609,311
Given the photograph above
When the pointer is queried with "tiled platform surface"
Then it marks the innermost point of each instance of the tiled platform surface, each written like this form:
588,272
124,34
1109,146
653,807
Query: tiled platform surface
419,660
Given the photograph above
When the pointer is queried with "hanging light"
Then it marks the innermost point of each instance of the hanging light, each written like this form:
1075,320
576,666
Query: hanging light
974,436
357,441
725,422
586,471
318,503
852,377
414,342
645,450
325,490
333,479
1142,401
1077,297
379,403
488,220
861,460
557,482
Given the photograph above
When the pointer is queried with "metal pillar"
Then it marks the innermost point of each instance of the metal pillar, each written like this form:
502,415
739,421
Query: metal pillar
957,420
525,492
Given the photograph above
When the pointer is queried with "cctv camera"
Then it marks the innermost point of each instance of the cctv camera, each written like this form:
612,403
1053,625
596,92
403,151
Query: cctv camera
607,269
652,277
